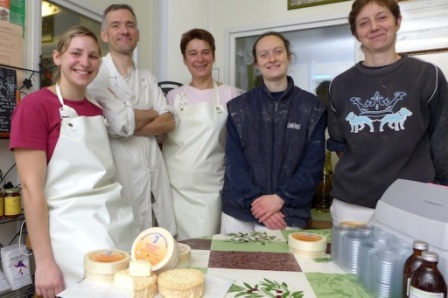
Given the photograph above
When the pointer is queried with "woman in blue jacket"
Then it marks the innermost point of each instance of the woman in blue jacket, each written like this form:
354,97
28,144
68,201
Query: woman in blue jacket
275,147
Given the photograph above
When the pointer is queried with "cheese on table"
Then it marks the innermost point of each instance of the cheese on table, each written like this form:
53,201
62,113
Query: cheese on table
139,268
181,283
101,265
307,244
157,246
138,287
184,256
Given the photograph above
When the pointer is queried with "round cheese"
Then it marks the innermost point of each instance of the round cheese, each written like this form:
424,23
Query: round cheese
157,246
181,283
101,265
139,268
123,280
353,224
184,256
307,244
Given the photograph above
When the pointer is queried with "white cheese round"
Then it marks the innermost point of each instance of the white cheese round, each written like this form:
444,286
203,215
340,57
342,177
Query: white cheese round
139,268
181,283
101,265
157,246
307,244
184,256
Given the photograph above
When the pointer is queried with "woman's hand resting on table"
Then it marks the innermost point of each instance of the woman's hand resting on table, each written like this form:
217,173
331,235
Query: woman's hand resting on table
49,280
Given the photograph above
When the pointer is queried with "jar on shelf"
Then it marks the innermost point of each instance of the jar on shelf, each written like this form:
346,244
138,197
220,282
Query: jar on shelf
2,204
12,202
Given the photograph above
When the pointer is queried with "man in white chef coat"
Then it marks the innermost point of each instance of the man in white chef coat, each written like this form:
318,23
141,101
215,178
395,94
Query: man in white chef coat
136,112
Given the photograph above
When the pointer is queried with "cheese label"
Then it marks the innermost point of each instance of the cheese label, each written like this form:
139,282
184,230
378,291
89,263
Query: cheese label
152,247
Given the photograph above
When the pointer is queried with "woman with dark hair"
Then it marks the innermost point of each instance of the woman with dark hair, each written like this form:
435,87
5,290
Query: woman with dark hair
194,151
61,147
275,147
388,116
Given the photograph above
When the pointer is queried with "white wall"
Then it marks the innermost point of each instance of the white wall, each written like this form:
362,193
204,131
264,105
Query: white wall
221,16
146,17
177,17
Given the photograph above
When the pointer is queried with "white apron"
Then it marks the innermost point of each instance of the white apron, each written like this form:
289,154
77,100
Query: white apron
86,211
194,156
138,159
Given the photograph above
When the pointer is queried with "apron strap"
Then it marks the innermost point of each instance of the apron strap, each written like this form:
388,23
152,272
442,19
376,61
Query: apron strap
65,111
181,99
219,106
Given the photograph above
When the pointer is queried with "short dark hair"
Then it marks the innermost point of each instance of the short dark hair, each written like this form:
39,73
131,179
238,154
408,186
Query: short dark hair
358,5
196,33
115,7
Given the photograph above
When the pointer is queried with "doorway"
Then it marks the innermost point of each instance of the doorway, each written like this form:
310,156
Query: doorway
62,15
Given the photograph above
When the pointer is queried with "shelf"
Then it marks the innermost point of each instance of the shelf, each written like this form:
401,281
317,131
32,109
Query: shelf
25,292
7,220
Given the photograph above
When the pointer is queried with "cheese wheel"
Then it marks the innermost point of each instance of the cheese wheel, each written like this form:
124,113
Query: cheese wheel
157,246
101,265
138,287
353,224
307,244
139,268
184,256
181,283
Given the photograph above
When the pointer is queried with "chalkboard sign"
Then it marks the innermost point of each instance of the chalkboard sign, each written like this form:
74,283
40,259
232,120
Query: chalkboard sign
8,100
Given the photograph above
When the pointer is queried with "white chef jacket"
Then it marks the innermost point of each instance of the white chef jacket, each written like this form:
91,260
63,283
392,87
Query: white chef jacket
140,166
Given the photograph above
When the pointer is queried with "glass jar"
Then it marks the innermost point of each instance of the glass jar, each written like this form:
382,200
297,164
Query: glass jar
412,263
13,202
427,281
2,204
323,199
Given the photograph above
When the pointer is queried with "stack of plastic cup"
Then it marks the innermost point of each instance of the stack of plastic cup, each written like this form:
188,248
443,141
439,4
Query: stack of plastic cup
337,233
351,245
387,273
364,270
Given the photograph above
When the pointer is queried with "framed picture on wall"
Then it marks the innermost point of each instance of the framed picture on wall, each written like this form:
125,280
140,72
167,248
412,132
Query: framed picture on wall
293,4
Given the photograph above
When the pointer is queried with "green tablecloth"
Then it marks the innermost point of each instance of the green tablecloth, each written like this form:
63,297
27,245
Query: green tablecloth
262,266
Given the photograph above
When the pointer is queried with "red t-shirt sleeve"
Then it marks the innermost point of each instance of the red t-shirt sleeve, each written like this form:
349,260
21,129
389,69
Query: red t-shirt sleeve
36,122
32,123
28,129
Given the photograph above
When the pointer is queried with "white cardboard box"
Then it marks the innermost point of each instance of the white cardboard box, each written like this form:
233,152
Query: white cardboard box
417,211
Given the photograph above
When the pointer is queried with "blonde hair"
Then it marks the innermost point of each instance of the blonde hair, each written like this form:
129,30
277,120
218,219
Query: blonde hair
65,40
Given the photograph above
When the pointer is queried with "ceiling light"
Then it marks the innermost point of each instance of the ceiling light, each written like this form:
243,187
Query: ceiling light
49,9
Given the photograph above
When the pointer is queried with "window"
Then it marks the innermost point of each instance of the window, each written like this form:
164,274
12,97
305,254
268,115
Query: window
319,54
68,14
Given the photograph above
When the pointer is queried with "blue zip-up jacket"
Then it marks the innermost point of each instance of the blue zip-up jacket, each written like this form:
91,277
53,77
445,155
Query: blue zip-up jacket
274,146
